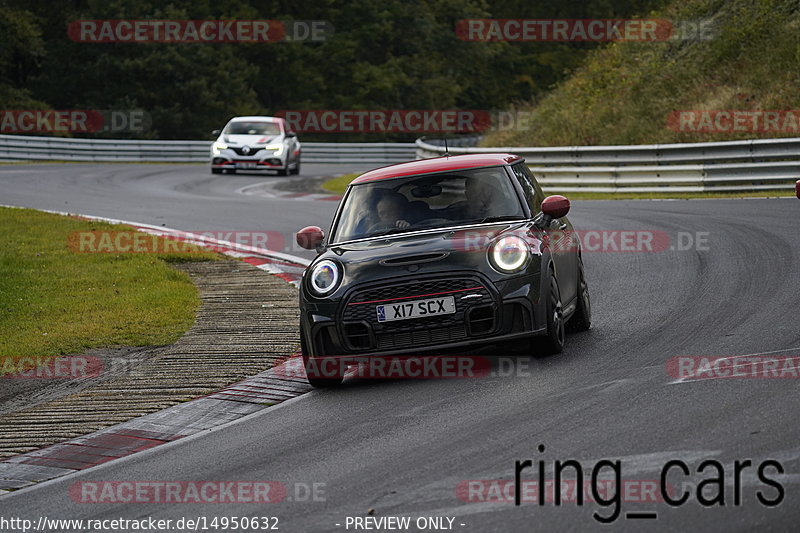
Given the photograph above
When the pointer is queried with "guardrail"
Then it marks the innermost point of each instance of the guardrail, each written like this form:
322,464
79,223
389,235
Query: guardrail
753,165
26,148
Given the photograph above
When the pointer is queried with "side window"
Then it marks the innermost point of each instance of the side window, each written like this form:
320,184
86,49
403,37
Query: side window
533,193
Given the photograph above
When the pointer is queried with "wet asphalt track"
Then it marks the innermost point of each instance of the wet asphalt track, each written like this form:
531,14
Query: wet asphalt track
403,447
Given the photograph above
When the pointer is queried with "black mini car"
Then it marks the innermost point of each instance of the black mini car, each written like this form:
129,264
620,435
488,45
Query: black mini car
440,254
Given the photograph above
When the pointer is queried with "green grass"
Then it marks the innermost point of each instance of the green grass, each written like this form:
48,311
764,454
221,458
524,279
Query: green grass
57,301
338,184
624,91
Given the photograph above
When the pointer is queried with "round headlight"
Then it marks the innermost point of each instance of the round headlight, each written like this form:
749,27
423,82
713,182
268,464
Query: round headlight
324,277
509,253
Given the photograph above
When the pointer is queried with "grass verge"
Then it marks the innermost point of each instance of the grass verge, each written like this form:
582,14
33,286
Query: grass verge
628,92
339,184
56,301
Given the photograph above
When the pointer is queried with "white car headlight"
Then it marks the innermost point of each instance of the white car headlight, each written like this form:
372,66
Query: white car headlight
218,146
324,277
278,148
509,254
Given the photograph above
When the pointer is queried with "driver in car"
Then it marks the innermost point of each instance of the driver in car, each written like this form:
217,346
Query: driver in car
392,209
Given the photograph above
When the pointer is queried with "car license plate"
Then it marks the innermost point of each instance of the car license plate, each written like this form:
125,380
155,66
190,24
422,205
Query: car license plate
416,309
245,165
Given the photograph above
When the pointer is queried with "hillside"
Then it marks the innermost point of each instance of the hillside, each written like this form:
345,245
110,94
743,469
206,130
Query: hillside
632,92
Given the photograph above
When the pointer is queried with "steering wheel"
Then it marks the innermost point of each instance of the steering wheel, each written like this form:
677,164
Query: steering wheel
437,220
381,226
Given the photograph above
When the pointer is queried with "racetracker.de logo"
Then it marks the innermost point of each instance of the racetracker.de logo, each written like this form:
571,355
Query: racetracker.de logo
503,491
386,120
177,492
73,121
50,121
732,367
564,30
610,241
101,241
67,367
387,367
176,31
735,120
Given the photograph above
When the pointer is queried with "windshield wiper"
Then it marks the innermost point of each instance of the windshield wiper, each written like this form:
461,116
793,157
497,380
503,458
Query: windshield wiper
391,231
498,218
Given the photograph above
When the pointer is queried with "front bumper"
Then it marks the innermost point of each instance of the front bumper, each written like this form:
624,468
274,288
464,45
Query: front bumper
260,160
486,313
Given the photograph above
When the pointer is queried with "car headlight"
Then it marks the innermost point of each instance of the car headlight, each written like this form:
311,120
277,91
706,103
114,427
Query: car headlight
278,148
218,146
324,277
509,254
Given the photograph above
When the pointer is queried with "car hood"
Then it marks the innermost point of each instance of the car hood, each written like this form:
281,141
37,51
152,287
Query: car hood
251,139
394,256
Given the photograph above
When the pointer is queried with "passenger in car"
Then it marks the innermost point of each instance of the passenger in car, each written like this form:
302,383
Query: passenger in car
482,200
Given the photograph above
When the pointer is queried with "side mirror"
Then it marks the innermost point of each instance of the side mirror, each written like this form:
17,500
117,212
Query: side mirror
797,188
310,237
555,206
290,134
216,133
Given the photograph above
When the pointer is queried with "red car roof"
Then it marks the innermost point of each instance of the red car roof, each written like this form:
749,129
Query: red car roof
438,164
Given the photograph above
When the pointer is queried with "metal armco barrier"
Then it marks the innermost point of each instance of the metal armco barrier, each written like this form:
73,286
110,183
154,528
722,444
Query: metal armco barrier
753,165
26,148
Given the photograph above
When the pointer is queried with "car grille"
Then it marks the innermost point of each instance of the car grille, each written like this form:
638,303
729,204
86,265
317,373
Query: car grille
253,151
421,337
361,329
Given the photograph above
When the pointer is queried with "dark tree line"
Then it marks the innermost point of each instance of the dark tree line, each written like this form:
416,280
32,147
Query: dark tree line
382,54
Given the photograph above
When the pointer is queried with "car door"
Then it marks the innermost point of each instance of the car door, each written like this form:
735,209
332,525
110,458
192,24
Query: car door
563,241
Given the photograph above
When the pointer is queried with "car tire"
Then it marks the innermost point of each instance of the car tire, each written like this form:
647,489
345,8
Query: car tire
582,319
296,170
553,340
310,363
216,171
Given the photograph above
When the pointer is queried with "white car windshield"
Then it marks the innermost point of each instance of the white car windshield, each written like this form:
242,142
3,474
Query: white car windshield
252,128
427,201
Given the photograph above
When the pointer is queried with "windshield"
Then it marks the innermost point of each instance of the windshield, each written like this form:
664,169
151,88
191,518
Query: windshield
253,128
427,201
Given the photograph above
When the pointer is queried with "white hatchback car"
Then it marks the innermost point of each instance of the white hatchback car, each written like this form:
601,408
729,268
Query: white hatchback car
254,144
